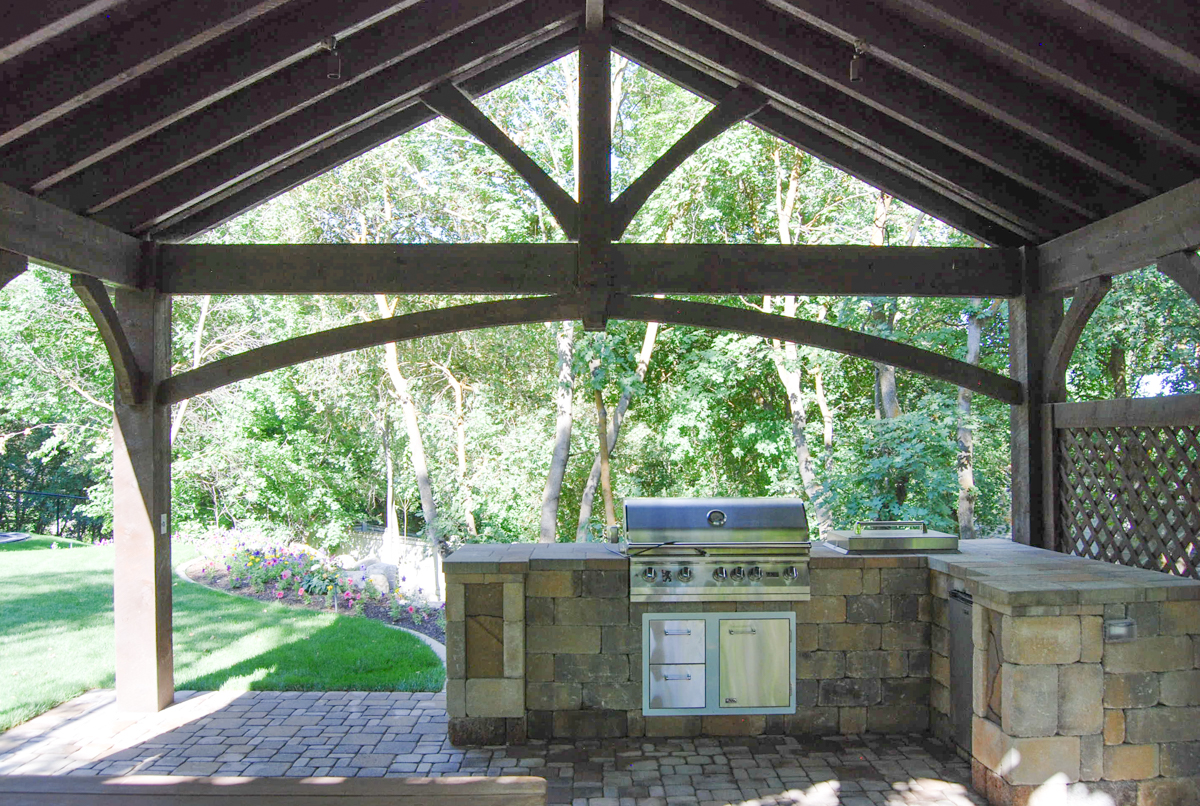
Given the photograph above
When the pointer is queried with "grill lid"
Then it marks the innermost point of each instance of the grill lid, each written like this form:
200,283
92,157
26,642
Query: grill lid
650,520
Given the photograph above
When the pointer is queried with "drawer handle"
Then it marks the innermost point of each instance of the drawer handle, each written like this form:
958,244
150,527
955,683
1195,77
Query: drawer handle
743,631
677,632
677,677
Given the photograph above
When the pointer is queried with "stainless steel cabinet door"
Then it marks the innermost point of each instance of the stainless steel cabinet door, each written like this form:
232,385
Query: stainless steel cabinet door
677,686
676,641
755,663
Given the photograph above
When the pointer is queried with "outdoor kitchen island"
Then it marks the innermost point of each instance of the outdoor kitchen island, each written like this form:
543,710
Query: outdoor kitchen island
543,643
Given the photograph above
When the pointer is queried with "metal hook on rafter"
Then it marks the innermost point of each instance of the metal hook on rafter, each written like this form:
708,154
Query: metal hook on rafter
858,60
333,61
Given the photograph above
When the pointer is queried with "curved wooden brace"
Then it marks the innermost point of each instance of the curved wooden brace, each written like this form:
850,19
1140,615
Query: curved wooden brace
739,104
816,334
131,381
1087,297
476,316
450,102
1184,269
12,266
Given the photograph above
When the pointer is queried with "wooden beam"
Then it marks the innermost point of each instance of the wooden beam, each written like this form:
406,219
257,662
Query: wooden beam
298,168
130,379
121,118
817,334
1184,269
476,316
905,182
63,240
735,107
594,166
12,266
1123,242
939,62
549,269
1088,297
302,87
1033,42
51,88
1150,412
1172,30
1011,153
28,26
450,102
400,84
856,124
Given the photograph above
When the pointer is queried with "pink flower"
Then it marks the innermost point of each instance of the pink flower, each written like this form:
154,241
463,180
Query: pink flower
411,609
278,594
286,575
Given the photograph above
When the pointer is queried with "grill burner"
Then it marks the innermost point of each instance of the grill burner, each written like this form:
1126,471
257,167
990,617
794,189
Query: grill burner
717,549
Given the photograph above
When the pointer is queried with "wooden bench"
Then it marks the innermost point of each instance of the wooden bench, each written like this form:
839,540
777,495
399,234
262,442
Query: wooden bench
168,790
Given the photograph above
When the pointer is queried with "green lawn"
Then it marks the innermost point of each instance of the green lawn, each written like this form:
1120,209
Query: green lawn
56,638
38,542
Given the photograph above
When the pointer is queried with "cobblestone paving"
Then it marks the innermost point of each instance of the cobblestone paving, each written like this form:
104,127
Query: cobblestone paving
398,734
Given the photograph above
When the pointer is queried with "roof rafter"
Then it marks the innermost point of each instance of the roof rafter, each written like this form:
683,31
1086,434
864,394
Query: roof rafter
1175,38
28,25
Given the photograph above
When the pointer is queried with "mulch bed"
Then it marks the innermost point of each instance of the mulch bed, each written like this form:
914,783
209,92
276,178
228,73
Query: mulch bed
219,580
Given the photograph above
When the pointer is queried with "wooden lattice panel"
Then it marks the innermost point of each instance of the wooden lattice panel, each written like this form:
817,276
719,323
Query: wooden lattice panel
1131,495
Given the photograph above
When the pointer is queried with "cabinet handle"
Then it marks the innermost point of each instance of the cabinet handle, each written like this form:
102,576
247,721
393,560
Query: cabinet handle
677,632
677,677
743,631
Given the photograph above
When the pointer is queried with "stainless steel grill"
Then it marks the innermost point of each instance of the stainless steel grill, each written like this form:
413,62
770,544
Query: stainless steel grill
717,549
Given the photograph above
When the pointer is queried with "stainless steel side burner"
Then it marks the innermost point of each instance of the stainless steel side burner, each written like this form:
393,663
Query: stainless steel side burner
891,536
717,549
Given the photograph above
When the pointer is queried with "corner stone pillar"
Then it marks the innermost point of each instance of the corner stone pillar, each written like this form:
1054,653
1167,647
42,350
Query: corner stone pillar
142,514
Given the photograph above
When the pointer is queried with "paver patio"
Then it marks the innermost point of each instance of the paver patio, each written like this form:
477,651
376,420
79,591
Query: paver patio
402,734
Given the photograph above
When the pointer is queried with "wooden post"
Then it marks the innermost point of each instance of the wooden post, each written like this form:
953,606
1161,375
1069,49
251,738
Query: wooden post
142,514
1033,319
11,266
594,170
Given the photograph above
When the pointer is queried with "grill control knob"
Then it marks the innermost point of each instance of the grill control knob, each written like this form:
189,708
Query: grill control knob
719,574
792,573
684,575
738,574
649,574
755,574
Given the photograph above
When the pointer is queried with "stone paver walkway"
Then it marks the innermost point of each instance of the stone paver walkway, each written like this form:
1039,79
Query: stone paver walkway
399,734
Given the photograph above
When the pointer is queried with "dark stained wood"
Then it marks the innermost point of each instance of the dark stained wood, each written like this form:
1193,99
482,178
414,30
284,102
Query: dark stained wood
845,153
817,334
366,268
286,174
166,32
27,25
1128,240
142,515
549,269
1184,269
1035,43
1051,500
382,54
122,118
1172,411
940,63
52,236
594,169
450,102
1088,297
1172,30
859,125
1008,151
393,87
843,269
475,316
1033,319
12,266
735,107
149,790
130,379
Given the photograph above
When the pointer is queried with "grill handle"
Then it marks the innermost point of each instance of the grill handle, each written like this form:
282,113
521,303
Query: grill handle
858,527
677,632
743,631
677,677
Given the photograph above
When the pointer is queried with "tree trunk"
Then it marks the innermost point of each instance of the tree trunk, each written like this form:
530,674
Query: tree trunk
614,432
818,373
563,396
390,552
610,515
460,449
966,435
197,353
1118,372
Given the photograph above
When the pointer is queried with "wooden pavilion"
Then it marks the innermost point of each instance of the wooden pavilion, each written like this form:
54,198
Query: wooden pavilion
1064,133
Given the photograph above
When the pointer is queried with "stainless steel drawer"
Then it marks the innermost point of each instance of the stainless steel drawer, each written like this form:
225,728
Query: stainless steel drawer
677,685
676,641
755,662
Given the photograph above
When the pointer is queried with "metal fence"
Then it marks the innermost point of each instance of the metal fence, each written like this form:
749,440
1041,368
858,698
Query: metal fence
47,513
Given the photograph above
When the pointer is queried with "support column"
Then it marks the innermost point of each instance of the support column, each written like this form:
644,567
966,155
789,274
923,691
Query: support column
142,514
11,267
1033,319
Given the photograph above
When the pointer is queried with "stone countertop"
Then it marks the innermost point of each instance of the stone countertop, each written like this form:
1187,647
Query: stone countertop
997,571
